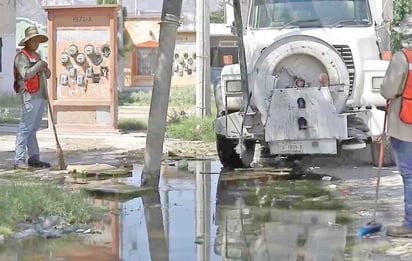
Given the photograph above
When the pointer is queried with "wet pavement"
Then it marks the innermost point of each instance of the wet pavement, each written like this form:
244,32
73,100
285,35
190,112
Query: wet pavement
202,213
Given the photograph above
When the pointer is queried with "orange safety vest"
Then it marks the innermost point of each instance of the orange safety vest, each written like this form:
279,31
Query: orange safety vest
32,84
405,114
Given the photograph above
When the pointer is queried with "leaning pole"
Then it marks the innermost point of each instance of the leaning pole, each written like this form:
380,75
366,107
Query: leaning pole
161,90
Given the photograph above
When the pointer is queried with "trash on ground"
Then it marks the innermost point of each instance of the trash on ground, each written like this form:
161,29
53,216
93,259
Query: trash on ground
364,213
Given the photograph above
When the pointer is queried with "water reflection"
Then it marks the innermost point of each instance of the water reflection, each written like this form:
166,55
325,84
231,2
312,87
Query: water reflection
272,220
202,214
176,223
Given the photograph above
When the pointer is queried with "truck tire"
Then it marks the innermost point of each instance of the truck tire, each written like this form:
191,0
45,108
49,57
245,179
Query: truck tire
226,149
388,159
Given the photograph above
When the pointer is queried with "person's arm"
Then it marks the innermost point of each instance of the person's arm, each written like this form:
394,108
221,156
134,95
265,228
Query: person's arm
395,77
23,67
47,72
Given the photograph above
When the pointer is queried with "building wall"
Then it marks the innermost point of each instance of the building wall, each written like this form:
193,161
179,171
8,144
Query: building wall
8,43
146,30
184,65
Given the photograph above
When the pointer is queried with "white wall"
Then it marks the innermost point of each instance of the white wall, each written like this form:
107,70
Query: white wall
8,35
7,59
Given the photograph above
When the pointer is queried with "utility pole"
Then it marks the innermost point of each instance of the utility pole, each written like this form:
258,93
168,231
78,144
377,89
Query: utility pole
203,187
120,59
203,58
161,91
156,233
237,8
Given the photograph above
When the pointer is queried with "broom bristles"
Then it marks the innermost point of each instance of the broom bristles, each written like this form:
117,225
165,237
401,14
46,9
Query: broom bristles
370,228
62,164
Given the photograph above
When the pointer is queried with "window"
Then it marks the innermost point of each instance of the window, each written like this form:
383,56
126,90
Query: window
146,60
309,13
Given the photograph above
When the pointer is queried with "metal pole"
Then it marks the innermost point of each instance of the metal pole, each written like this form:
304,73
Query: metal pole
203,58
203,201
161,90
135,7
120,62
159,249
242,55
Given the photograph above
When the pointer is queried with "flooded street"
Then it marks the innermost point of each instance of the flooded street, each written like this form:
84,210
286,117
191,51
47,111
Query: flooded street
201,213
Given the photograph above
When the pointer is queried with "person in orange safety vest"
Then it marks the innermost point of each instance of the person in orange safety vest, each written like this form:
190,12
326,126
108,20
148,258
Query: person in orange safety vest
397,89
31,74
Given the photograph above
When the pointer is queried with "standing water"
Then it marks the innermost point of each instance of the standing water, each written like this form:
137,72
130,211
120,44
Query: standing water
203,213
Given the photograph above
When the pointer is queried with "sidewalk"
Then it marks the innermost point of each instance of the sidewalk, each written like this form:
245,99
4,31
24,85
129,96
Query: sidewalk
114,148
78,148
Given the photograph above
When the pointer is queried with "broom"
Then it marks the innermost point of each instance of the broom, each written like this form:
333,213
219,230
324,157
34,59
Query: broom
373,226
59,150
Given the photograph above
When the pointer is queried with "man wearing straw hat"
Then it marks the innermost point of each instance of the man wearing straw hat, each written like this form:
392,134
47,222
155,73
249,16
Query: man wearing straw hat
31,74
397,88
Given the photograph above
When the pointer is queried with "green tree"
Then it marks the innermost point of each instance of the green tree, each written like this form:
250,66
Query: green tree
218,16
401,9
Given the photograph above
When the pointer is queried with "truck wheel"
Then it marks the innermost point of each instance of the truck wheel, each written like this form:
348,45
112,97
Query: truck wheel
226,149
388,159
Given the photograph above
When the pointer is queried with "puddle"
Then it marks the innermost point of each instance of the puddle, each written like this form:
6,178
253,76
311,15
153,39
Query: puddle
199,214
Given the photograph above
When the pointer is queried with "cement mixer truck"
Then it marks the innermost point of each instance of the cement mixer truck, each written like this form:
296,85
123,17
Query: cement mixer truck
314,70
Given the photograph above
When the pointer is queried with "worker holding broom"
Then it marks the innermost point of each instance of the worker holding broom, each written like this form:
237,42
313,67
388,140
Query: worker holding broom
397,89
31,74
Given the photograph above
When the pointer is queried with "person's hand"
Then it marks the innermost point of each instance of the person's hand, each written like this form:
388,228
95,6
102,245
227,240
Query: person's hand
47,73
42,65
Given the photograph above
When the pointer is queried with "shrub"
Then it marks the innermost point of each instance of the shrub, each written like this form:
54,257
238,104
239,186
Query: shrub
132,124
192,128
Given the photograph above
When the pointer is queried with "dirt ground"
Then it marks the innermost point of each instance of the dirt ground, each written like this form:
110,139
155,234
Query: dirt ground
112,148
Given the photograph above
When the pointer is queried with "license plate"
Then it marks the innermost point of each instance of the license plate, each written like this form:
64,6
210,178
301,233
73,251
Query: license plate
290,147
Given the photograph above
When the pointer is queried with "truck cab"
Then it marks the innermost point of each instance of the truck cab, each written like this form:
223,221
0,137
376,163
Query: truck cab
314,70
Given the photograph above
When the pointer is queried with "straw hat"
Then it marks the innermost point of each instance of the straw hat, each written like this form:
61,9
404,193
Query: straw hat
30,33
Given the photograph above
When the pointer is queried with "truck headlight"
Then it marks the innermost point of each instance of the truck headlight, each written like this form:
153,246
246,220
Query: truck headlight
376,83
233,86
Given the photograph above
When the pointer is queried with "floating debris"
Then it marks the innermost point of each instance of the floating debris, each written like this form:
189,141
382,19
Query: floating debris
364,213
182,164
326,178
97,170
118,190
